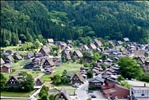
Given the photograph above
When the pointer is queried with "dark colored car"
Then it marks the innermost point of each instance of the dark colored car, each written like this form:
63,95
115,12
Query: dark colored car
93,96
90,91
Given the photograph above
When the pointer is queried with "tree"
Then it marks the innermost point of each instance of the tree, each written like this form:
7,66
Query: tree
43,94
2,81
145,78
23,38
106,38
96,56
73,59
103,66
64,72
52,97
56,79
6,43
37,44
14,39
93,64
29,37
65,80
63,59
90,73
26,82
125,84
86,55
103,57
87,65
27,46
120,78
129,68
54,48
81,61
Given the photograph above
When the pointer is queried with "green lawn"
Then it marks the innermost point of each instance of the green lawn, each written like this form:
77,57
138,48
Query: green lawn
70,68
10,47
16,94
17,67
46,77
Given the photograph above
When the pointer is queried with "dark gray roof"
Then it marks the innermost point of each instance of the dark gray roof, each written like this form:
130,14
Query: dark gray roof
63,91
96,79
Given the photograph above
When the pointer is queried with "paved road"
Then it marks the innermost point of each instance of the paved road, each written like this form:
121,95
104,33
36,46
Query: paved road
98,95
32,96
81,91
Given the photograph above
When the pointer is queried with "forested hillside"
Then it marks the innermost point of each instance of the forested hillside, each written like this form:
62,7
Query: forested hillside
62,20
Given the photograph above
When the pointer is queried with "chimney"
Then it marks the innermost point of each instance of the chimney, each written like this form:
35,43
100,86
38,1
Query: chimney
144,85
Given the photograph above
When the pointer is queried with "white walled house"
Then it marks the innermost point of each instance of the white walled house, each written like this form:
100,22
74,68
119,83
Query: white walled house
139,93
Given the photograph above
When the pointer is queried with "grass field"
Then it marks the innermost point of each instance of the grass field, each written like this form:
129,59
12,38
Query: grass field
10,47
18,67
71,68
16,94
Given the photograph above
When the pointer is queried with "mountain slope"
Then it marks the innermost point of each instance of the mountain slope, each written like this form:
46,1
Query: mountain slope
64,20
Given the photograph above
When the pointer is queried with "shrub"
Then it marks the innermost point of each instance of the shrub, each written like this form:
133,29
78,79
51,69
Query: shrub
13,70
89,73
87,65
120,78
145,78
92,88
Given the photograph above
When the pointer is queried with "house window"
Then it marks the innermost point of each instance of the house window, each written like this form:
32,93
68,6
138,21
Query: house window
61,96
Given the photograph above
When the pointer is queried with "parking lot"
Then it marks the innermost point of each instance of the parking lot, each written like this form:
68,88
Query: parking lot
98,95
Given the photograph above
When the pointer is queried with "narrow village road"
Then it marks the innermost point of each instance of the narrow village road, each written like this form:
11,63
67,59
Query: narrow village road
32,96
81,91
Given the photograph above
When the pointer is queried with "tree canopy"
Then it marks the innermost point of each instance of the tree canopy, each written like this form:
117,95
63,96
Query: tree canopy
63,20
129,68
2,81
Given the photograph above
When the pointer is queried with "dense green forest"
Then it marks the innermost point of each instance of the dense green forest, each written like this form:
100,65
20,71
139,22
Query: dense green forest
62,20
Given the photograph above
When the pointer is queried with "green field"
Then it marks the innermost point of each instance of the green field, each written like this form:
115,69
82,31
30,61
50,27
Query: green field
16,94
18,67
10,47
71,68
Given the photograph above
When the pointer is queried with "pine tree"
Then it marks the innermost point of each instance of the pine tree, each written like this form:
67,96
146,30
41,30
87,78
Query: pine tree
28,37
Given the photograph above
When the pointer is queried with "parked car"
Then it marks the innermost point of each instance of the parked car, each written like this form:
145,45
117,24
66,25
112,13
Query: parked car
92,96
90,91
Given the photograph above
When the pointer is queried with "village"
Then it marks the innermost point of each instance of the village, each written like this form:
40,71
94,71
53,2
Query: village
87,72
